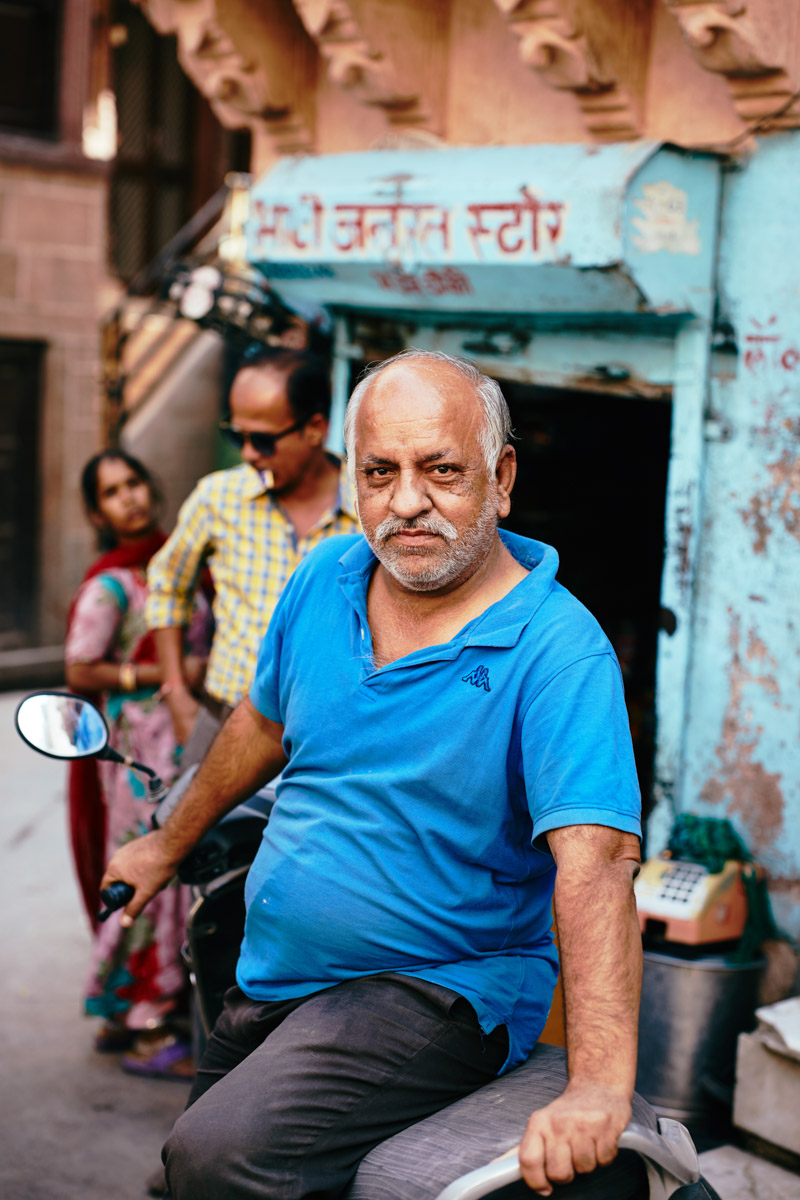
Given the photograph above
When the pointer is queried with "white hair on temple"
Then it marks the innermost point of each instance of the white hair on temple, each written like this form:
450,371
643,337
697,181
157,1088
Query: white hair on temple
496,431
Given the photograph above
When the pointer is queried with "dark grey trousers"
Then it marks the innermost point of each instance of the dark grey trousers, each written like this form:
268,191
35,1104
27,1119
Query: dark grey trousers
291,1095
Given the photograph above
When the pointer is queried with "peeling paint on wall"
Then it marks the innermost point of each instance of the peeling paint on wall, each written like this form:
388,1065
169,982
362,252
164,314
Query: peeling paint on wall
779,501
749,791
742,736
682,539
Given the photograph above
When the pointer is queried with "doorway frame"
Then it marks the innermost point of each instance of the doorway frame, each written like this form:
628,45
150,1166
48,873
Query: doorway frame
649,357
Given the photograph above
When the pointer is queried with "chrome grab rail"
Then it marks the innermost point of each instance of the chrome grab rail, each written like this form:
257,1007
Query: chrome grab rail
669,1157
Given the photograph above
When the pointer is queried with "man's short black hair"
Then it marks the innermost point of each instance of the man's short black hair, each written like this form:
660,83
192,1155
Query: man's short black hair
308,381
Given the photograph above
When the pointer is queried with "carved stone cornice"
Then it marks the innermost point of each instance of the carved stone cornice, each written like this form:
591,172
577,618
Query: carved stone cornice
740,42
555,44
355,64
237,86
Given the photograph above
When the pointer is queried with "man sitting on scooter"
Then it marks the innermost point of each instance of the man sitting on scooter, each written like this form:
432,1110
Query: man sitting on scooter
451,729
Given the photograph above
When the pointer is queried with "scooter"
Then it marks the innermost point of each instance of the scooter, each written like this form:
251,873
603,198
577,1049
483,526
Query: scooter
444,1156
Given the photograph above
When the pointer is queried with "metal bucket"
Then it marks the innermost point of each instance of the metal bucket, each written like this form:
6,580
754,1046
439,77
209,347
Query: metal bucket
692,1013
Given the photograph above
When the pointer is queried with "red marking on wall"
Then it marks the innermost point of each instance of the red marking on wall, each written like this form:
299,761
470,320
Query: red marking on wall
525,226
444,282
747,788
516,225
766,346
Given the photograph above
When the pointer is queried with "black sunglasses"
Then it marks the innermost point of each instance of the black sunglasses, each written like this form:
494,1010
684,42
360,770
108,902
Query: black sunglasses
262,443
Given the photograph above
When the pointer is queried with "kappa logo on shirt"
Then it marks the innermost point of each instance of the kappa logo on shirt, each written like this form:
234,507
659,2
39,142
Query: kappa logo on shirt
479,678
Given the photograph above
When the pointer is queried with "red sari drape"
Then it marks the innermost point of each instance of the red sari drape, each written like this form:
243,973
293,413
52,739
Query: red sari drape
87,814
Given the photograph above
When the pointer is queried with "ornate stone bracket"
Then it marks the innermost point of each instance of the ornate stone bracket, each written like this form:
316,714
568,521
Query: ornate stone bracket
555,45
728,39
356,65
236,86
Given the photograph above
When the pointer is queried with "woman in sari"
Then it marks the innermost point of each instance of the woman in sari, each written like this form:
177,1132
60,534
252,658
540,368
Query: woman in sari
137,982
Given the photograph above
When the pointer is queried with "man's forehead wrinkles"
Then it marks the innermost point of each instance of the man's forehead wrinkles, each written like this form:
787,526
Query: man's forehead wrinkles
419,460
428,399
388,417
413,417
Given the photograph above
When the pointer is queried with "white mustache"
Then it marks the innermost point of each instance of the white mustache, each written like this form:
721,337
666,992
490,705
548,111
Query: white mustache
436,525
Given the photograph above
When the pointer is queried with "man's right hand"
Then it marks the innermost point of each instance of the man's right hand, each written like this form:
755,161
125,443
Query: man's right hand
574,1134
145,865
247,752
183,709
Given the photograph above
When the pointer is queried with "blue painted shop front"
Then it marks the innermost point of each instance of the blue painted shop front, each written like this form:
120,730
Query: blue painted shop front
585,280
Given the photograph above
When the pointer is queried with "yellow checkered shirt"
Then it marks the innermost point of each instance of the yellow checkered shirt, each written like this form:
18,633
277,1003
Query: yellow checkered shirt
232,522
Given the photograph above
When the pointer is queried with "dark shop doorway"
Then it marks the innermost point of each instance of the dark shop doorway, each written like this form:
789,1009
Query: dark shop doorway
592,482
20,388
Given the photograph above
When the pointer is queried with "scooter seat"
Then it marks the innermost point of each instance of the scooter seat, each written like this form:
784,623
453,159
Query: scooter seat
421,1161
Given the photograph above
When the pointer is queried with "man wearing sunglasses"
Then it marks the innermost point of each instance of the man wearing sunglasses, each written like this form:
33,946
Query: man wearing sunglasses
251,525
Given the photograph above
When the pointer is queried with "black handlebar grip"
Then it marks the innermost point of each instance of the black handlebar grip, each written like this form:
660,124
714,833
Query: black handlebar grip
115,896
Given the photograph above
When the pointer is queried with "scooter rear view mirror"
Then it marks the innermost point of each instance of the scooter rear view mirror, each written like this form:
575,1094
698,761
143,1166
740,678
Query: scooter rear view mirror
61,725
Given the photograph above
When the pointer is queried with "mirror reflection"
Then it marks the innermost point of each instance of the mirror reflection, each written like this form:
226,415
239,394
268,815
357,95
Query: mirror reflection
61,725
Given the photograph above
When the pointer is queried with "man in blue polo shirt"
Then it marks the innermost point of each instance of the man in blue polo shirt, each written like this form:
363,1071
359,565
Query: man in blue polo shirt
455,755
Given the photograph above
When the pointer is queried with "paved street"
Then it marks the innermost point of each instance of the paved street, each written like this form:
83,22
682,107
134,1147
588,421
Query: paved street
72,1125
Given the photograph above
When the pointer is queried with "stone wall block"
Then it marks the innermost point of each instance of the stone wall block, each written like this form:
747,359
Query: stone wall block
8,275
46,220
767,1095
57,280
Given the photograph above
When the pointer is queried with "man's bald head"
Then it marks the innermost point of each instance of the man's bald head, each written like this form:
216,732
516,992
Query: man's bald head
495,431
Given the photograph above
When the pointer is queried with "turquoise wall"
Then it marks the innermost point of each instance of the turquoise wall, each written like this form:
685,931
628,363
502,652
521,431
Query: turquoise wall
742,738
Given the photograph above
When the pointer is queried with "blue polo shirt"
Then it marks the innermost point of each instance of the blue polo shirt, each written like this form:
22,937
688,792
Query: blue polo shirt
408,829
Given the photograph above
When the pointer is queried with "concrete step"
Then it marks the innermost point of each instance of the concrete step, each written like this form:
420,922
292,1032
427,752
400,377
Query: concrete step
738,1175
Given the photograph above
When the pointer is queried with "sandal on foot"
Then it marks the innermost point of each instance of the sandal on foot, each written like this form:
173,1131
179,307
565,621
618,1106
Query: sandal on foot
113,1038
156,1184
171,1059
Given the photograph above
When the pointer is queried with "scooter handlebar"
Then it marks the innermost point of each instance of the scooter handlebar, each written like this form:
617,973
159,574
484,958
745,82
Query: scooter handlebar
115,896
669,1157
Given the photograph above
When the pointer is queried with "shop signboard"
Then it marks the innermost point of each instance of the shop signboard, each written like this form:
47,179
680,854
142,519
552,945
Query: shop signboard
625,228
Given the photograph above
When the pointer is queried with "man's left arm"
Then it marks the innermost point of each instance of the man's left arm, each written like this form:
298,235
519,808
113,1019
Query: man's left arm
601,966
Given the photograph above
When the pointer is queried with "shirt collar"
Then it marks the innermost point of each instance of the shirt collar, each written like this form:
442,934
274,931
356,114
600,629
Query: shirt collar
503,622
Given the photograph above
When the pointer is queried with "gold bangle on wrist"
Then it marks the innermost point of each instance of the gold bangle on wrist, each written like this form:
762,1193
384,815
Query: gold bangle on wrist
127,677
